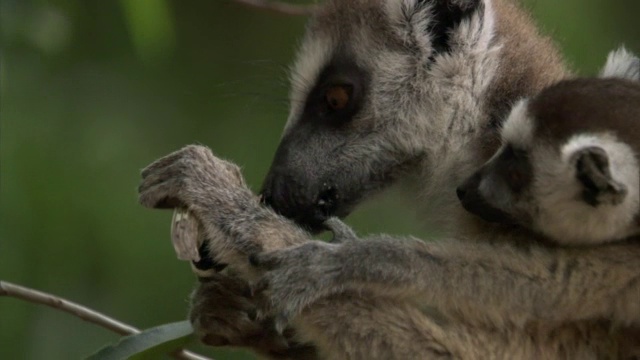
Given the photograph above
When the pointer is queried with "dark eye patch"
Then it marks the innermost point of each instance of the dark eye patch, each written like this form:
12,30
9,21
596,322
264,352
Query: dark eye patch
338,95
515,168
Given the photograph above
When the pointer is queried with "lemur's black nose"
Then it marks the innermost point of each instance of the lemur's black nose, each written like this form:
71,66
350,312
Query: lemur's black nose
474,202
298,202
327,201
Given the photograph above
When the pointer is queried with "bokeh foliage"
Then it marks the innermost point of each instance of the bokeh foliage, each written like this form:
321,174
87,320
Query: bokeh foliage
92,91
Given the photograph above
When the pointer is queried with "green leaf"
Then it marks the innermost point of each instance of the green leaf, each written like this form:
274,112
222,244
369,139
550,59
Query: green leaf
149,344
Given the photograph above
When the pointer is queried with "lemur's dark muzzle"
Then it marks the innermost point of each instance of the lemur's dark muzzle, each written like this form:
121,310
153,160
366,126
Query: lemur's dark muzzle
475,203
297,200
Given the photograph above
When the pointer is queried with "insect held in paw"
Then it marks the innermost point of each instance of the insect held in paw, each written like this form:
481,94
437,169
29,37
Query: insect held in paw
184,235
189,242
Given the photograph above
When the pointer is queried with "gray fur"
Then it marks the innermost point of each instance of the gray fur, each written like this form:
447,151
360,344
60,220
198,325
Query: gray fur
341,231
431,122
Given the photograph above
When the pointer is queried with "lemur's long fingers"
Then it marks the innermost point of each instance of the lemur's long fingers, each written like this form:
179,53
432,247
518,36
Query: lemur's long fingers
188,152
341,231
170,171
161,196
161,163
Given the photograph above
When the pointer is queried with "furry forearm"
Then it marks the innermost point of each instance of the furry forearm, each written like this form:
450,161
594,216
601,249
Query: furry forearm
248,228
518,287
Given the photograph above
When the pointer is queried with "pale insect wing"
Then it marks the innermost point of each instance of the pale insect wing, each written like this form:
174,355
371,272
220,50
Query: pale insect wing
184,235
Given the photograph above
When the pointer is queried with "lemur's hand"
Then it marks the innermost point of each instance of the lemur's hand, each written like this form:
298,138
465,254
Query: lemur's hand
194,178
211,189
223,313
296,277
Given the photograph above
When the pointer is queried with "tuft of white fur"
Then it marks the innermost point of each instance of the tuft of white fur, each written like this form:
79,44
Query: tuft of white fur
622,64
563,215
519,127
314,53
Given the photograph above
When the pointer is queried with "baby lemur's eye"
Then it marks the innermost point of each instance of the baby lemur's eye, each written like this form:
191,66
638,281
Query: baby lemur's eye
515,168
338,96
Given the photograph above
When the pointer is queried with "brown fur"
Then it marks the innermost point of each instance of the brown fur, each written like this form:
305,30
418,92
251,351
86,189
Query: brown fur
592,105
529,62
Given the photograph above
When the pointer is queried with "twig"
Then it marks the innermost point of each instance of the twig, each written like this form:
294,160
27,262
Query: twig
279,7
84,313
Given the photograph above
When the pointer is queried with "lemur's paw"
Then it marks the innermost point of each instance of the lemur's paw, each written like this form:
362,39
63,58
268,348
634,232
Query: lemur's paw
223,313
191,177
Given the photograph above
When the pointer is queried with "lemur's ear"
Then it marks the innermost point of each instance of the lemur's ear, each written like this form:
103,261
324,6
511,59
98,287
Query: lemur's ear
622,64
594,173
433,19
446,15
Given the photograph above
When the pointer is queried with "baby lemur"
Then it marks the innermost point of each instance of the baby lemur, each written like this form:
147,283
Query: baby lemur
568,165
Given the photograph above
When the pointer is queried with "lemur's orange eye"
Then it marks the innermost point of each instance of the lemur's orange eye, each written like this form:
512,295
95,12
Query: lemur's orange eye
338,96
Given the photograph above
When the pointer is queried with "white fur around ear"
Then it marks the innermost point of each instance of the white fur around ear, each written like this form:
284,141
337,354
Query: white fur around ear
622,64
477,32
413,19
567,219
583,141
623,163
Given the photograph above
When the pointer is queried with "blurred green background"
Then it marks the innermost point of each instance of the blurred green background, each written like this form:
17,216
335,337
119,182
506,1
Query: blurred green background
92,91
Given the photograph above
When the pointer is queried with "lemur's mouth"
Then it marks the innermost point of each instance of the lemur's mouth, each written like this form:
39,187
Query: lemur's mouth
327,204
478,206
311,197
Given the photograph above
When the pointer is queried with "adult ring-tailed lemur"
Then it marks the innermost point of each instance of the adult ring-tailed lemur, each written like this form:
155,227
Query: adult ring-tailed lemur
390,91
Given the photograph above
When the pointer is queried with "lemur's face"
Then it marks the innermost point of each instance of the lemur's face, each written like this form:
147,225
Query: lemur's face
373,80
579,191
502,189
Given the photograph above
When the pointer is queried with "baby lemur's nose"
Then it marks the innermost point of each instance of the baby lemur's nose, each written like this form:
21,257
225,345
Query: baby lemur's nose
461,192
469,188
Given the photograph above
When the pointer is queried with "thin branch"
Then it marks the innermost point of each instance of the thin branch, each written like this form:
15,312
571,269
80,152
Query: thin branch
279,7
84,313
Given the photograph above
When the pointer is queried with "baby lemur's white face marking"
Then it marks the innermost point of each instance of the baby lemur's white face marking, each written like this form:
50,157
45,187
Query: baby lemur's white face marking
585,191
519,128
590,194
573,179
